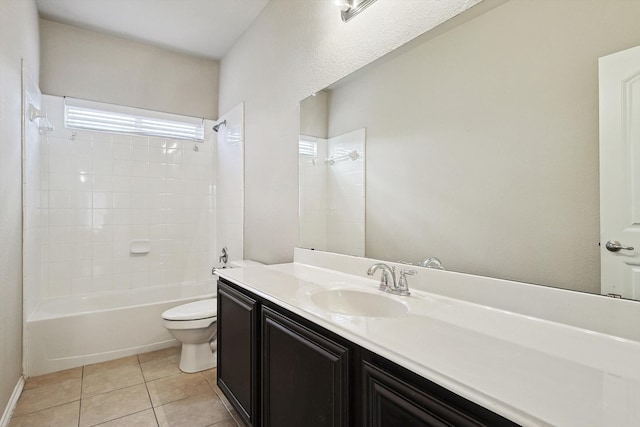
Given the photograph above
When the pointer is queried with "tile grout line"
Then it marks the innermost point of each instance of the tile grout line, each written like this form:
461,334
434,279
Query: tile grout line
81,385
146,386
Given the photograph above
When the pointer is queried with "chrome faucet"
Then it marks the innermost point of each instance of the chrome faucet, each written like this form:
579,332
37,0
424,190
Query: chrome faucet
224,255
387,273
388,279
432,262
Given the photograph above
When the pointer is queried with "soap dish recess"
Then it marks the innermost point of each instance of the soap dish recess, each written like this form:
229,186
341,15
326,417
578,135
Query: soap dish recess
142,246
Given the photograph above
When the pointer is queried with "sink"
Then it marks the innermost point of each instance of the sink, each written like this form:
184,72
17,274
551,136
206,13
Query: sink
358,303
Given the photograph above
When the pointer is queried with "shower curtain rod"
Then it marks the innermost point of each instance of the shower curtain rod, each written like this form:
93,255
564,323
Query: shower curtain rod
353,156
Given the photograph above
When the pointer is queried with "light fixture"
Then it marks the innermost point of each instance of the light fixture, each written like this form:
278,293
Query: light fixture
350,8
343,5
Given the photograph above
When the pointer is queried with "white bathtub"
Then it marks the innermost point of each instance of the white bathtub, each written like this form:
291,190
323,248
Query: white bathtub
64,333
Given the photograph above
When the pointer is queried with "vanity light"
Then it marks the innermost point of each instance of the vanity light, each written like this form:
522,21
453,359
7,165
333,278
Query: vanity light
350,8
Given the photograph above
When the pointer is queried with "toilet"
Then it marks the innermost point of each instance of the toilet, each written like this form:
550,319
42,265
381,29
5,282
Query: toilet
194,325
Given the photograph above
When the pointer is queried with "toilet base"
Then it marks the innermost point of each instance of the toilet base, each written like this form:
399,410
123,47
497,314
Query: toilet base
197,357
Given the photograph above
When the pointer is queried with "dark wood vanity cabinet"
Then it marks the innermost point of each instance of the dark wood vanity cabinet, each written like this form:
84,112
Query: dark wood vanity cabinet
238,342
304,375
281,370
392,400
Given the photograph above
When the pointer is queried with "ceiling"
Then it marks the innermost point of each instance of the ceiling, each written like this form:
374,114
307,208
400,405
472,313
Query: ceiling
206,28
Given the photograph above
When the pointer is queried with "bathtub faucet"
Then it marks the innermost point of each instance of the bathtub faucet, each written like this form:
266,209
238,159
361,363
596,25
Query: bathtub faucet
224,257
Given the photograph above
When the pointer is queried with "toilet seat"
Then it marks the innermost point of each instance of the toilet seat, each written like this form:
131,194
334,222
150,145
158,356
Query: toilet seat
198,310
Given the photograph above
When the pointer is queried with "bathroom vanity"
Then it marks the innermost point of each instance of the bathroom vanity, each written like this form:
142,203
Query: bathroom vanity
303,344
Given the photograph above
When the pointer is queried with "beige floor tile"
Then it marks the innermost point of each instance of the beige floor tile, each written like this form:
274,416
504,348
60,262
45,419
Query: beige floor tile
211,378
100,368
114,404
226,423
162,367
210,375
111,379
53,378
141,419
197,411
59,416
159,354
235,418
48,396
176,387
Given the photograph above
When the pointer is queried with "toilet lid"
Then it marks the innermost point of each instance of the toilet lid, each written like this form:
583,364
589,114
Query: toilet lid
192,311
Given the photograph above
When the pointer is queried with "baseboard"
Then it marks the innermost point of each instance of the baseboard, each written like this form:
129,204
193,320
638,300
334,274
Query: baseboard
13,401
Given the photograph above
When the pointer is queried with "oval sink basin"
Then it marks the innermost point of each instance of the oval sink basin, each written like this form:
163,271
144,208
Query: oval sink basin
358,303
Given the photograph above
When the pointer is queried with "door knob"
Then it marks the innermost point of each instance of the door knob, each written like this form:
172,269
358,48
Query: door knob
615,246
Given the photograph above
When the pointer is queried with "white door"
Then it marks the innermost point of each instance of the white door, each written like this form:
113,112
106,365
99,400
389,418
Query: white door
620,173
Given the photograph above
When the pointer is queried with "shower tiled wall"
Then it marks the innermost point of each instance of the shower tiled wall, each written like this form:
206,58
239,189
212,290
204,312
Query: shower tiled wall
230,183
332,197
101,191
31,195
346,195
312,173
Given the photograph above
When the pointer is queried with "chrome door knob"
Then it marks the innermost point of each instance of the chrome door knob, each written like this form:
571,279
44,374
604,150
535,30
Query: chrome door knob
615,246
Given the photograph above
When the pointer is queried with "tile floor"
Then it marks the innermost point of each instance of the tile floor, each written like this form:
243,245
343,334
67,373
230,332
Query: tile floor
144,390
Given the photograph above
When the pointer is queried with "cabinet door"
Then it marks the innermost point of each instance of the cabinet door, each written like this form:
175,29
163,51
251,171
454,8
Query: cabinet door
305,375
237,351
391,402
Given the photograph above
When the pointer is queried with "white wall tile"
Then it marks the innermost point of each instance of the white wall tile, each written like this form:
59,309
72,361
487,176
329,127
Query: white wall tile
96,192
140,153
121,151
121,167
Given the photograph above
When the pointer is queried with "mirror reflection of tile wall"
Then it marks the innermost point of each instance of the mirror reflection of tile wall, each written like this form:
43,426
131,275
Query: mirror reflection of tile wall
332,200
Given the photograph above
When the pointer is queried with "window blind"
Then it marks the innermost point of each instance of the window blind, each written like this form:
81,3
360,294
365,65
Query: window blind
89,115
308,147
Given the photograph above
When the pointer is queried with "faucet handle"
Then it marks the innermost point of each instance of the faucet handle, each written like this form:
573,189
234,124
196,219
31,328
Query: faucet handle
403,285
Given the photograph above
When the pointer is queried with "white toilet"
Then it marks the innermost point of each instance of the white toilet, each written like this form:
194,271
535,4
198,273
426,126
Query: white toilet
194,324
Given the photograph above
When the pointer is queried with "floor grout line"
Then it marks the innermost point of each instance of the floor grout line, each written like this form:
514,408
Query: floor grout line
146,386
81,385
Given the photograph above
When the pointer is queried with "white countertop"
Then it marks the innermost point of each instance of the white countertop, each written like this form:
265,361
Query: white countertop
532,371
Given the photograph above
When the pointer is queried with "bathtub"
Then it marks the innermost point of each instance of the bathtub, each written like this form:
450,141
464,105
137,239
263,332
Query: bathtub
65,333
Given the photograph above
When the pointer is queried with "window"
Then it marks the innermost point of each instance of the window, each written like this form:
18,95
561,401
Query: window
308,147
88,115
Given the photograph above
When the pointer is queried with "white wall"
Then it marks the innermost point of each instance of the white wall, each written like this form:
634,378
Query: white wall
90,65
295,48
103,191
18,39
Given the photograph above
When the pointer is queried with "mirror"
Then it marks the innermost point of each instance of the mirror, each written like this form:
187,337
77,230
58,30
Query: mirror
331,182
482,142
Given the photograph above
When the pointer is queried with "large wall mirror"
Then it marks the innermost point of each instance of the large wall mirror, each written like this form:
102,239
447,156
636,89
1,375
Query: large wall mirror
482,144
